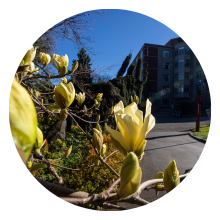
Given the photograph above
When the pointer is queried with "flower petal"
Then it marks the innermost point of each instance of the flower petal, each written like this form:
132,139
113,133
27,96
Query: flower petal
117,136
129,129
137,115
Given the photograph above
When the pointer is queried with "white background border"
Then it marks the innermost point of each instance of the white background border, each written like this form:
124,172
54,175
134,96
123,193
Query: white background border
22,22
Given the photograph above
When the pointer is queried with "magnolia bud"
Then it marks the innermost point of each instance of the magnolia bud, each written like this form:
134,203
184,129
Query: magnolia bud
110,112
74,66
68,151
84,109
103,150
23,119
136,99
99,97
36,93
29,56
98,118
97,162
44,58
141,148
64,80
97,139
171,177
29,164
98,127
42,101
159,186
130,176
132,99
97,104
39,140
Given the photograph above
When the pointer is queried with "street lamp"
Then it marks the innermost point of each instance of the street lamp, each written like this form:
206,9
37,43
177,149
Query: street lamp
198,106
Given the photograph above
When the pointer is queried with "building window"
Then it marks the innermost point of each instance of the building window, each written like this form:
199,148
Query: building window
165,77
186,76
186,63
181,50
176,76
186,88
181,63
166,101
181,76
181,88
166,66
176,64
166,54
187,50
176,52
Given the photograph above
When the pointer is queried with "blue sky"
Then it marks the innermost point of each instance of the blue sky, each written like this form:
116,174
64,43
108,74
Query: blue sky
117,34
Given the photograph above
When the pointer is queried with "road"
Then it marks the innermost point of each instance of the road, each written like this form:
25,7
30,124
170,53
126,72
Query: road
169,140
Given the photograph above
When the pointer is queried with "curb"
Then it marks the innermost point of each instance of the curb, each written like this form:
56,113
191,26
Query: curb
197,138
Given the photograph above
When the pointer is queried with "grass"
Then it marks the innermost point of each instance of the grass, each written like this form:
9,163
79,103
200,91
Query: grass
204,131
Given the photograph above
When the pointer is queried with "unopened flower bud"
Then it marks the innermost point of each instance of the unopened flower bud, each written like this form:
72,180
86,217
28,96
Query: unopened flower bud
29,164
29,56
64,80
159,186
132,99
36,93
98,118
136,99
171,176
75,66
97,139
42,101
97,104
110,112
98,127
103,150
23,119
44,58
84,109
99,97
39,140
68,151
130,176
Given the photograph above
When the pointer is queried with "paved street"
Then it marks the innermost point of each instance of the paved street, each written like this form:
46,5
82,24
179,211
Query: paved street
169,140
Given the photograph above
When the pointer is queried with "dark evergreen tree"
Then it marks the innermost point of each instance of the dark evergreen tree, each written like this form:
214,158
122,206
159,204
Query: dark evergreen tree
124,65
131,69
139,69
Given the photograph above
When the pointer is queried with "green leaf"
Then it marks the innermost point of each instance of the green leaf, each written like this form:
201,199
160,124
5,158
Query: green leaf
38,166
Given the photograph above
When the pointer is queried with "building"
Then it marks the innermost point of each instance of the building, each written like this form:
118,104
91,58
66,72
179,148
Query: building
174,73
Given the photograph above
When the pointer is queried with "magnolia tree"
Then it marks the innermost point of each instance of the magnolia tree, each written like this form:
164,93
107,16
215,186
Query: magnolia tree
129,138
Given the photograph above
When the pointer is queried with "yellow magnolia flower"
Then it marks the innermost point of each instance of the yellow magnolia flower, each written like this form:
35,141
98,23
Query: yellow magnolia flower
133,129
80,98
130,176
60,63
29,56
23,119
171,177
64,95
44,58
64,80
